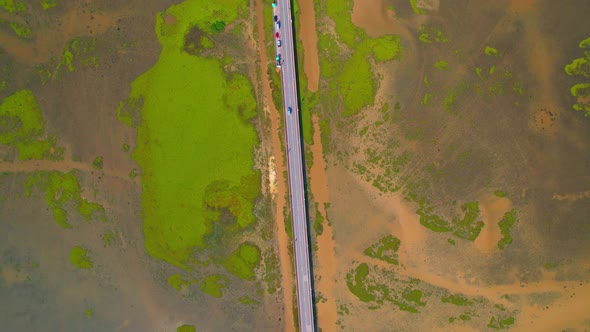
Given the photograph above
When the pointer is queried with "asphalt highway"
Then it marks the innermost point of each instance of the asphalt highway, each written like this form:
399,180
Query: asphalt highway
295,165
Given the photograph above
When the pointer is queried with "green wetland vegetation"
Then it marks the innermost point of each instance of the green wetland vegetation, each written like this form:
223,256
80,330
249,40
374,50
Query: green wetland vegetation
153,172
450,122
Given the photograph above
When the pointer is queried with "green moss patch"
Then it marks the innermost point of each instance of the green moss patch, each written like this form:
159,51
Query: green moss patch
80,259
22,127
213,285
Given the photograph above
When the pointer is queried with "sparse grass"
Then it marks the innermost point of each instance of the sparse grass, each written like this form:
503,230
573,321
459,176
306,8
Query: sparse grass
501,323
318,225
452,95
457,300
97,163
61,189
272,275
80,259
178,282
78,52
414,296
491,51
108,239
442,65
89,209
13,6
214,284
470,225
47,4
499,193
245,300
414,4
506,223
356,283
385,250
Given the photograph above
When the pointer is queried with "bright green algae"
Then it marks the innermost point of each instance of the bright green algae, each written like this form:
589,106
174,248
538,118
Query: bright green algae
194,144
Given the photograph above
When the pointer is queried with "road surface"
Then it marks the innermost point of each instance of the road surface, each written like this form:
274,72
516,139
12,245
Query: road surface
295,166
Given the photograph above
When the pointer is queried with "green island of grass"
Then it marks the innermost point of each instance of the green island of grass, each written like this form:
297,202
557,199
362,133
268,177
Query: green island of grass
80,259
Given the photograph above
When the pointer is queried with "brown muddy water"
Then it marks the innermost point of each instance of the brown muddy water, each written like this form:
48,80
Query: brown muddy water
325,264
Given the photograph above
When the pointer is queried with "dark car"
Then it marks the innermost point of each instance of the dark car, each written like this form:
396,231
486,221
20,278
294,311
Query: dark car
276,18
278,43
289,110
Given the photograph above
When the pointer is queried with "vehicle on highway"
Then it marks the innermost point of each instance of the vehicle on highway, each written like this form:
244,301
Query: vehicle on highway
277,35
274,4
289,110
278,25
278,43
278,58
276,18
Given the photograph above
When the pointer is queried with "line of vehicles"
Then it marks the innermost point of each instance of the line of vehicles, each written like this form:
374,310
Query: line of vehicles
277,24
